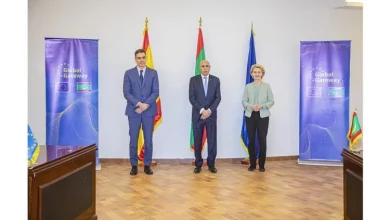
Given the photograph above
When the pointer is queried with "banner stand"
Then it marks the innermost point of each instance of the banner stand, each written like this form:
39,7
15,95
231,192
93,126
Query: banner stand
72,108
324,102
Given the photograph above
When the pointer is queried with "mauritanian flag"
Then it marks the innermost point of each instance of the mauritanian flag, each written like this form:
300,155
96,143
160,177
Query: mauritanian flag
158,117
355,132
200,55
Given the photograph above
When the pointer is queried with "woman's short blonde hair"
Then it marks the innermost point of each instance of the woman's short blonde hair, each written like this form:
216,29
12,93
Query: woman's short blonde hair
258,66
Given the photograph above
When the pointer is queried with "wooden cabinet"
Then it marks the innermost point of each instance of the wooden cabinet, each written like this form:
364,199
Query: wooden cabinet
353,185
62,184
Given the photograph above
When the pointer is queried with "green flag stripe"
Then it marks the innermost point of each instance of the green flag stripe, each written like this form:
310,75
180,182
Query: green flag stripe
192,137
356,125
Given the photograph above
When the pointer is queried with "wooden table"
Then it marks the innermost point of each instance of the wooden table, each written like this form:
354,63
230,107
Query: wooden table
62,184
353,185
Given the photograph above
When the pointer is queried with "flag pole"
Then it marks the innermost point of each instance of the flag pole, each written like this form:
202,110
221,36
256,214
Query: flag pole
200,22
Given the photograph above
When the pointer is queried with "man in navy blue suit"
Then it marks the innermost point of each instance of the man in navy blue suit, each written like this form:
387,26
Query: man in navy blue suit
141,88
205,96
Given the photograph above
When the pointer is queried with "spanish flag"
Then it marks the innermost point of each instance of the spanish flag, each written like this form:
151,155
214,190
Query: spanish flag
158,117
355,132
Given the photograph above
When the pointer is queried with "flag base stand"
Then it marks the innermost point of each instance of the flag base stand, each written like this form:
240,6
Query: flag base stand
246,161
153,164
204,163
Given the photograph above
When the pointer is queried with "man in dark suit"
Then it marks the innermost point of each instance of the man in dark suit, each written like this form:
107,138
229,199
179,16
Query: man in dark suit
141,88
205,96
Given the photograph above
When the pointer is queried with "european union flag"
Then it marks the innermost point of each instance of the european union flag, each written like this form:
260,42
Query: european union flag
63,87
32,146
249,79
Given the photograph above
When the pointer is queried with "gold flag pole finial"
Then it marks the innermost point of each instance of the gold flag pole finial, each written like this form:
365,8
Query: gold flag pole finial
200,22
146,21
254,34
356,110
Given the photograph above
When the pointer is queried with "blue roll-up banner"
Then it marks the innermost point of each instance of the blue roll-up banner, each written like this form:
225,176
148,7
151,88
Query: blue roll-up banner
72,92
324,101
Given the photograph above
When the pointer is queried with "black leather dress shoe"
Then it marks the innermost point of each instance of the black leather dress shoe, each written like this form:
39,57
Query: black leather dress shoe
134,171
197,169
262,170
148,171
213,169
251,169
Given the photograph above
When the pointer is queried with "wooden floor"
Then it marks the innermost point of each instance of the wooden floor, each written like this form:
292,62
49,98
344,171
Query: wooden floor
285,191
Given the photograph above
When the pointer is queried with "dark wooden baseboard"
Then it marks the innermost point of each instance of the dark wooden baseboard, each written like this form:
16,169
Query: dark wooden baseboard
190,160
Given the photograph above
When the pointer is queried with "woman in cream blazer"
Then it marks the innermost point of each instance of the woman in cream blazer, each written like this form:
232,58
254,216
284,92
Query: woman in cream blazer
257,101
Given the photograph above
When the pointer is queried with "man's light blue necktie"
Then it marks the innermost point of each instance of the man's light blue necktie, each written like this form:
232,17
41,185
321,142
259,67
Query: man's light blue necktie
205,85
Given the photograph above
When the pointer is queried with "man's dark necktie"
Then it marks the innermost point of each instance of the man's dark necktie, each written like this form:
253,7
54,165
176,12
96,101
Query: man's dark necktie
141,77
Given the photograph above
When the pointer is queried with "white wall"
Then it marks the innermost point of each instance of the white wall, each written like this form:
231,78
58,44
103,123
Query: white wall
279,25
